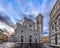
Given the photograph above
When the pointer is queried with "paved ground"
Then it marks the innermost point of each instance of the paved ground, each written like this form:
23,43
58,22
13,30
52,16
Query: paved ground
6,45
46,45
12,45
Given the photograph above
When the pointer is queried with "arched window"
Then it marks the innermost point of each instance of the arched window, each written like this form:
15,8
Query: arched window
30,26
37,22
21,31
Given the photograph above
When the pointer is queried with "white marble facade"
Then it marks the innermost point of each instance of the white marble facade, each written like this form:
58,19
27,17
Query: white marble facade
27,33
54,24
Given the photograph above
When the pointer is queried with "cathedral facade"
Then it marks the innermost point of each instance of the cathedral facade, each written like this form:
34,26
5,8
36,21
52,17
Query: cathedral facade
29,31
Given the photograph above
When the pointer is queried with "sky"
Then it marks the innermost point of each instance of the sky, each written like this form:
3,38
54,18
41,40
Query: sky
17,9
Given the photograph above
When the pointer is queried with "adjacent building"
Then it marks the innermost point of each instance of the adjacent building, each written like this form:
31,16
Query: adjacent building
27,33
11,38
6,28
54,24
1,34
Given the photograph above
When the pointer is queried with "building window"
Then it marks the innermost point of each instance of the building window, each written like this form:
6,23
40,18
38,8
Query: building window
56,25
30,36
21,36
30,40
52,27
21,31
21,40
30,26
37,22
